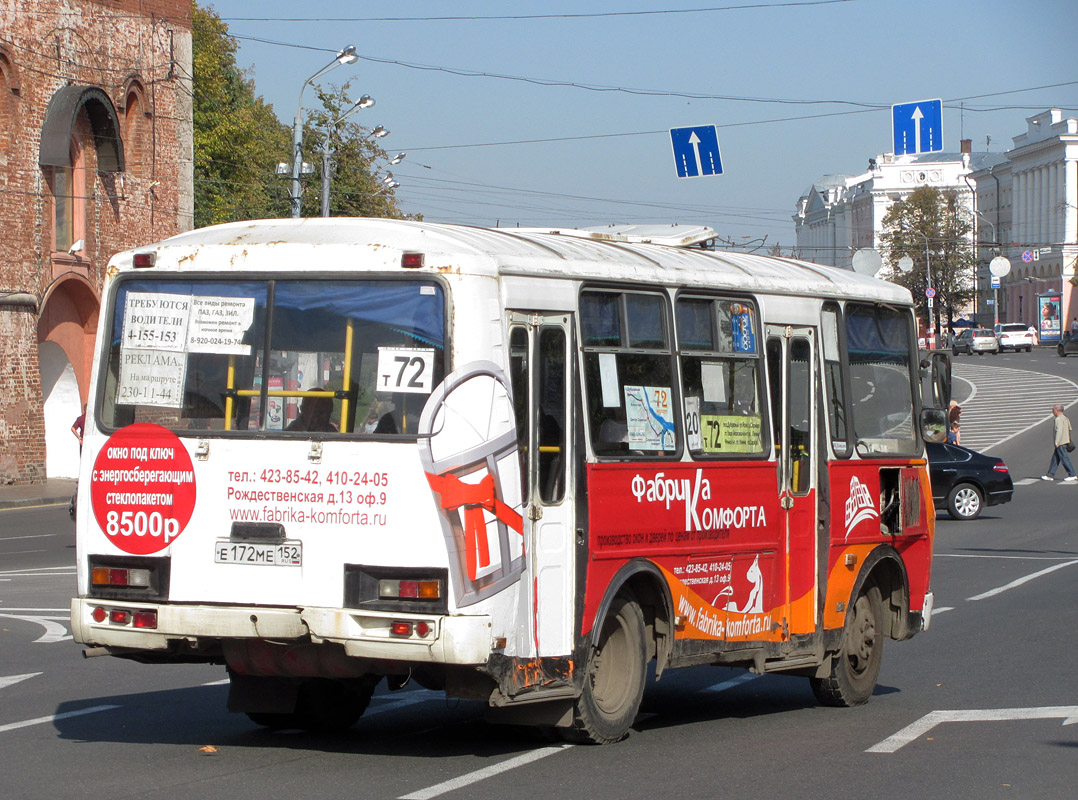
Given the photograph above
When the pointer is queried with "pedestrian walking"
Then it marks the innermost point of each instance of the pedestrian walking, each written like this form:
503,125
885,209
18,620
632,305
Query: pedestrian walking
1061,446
954,435
954,413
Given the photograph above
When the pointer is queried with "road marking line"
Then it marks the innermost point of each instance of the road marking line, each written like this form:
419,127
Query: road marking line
13,679
1019,581
29,536
388,703
54,718
221,682
30,570
1016,558
54,632
730,684
941,609
1069,714
483,774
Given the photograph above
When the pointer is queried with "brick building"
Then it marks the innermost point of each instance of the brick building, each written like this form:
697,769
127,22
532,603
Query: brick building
95,157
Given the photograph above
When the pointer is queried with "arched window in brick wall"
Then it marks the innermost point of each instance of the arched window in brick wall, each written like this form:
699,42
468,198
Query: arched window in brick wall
79,137
68,188
9,88
136,110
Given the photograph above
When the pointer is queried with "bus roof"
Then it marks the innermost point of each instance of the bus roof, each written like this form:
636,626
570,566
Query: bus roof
284,244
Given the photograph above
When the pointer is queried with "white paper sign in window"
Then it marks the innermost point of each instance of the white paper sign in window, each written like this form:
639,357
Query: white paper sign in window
218,325
151,377
156,321
405,369
713,377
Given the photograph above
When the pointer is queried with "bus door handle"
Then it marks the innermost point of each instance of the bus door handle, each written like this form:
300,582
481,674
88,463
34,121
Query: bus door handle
786,501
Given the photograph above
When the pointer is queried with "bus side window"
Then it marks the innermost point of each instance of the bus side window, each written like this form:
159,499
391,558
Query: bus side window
720,382
628,373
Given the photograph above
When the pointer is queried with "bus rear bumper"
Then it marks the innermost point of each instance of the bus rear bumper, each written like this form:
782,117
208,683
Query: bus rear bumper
370,635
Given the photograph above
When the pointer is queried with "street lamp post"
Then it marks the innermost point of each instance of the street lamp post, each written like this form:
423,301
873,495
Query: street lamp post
345,56
928,278
995,291
366,101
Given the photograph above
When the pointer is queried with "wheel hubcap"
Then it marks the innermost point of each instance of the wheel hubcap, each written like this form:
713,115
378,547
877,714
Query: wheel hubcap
967,502
862,638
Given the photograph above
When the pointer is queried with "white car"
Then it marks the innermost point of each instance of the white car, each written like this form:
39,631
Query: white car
1014,336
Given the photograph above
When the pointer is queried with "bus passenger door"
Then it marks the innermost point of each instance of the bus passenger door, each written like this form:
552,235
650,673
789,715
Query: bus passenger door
791,367
542,381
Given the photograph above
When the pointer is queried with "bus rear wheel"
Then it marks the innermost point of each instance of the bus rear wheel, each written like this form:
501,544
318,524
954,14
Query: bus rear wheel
614,683
855,668
322,705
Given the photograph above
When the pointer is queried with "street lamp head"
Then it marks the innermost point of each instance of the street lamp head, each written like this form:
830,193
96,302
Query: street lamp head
378,133
398,158
348,55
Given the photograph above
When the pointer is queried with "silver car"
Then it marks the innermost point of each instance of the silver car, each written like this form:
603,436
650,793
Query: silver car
975,340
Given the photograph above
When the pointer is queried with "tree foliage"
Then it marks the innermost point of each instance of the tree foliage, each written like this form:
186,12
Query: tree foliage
238,142
929,226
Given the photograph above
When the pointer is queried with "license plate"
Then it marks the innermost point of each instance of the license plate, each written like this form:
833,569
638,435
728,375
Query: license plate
285,554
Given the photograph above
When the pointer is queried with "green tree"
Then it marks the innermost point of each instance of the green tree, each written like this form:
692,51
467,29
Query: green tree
930,226
238,140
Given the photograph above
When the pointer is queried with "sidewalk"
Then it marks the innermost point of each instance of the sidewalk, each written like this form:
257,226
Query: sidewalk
55,491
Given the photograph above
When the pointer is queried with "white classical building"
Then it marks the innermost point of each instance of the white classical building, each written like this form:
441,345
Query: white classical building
1024,205
1028,207
840,214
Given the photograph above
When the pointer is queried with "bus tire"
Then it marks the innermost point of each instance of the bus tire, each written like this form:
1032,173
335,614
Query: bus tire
855,668
615,678
322,705
333,706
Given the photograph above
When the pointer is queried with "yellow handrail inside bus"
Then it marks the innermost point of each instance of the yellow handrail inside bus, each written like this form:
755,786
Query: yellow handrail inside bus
228,397
348,332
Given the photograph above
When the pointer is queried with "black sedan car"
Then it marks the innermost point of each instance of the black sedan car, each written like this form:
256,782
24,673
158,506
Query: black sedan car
964,481
1067,344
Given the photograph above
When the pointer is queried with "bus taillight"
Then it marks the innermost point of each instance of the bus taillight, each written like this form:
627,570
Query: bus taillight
113,576
409,589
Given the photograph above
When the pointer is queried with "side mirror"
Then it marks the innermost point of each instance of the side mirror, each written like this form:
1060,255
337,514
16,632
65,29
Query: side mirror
935,379
934,425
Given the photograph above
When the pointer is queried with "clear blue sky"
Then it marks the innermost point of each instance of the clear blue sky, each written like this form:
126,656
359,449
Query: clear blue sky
779,79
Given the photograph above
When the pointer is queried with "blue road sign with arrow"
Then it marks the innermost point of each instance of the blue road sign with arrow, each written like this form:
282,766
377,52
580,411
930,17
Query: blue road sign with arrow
696,151
917,127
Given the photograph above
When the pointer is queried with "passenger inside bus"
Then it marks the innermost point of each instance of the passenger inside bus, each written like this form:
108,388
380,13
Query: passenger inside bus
314,415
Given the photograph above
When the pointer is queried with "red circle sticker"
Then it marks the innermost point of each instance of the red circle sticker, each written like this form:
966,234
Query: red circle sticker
143,488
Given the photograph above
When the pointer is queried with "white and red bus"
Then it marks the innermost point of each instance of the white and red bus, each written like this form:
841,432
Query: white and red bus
510,465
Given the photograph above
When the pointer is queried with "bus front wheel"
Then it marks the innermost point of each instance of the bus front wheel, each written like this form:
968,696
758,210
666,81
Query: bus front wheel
614,682
855,668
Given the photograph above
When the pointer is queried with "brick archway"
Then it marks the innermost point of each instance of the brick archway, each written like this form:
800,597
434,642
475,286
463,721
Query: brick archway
68,318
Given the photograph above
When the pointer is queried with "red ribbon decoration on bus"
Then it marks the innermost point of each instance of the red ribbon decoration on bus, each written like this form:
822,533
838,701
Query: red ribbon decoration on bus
474,498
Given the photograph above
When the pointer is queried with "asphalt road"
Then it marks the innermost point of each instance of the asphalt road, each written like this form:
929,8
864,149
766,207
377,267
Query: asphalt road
976,707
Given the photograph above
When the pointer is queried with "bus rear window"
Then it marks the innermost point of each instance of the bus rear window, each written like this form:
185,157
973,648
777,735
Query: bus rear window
294,356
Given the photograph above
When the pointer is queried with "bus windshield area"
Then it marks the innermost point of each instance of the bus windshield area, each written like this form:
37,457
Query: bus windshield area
878,340
274,355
